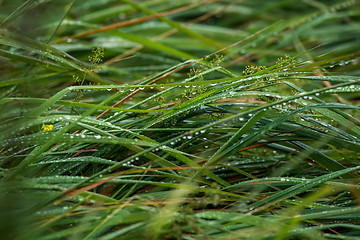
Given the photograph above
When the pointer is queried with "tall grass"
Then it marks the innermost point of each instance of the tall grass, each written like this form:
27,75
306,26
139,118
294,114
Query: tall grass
180,119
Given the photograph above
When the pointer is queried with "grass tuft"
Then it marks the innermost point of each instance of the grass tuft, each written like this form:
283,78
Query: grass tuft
179,119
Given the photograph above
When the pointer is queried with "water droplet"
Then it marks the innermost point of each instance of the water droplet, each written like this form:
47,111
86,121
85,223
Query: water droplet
97,136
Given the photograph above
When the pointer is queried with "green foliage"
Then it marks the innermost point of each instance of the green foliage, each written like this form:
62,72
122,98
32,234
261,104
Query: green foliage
179,119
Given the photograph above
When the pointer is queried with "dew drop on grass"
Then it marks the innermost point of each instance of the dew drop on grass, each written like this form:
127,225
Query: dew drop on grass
97,136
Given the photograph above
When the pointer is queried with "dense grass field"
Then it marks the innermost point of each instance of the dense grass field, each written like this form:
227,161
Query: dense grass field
187,119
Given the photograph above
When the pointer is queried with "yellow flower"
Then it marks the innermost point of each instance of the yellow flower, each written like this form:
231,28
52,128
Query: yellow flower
46,128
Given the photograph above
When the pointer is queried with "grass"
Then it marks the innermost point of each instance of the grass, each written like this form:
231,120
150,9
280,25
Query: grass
179,119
